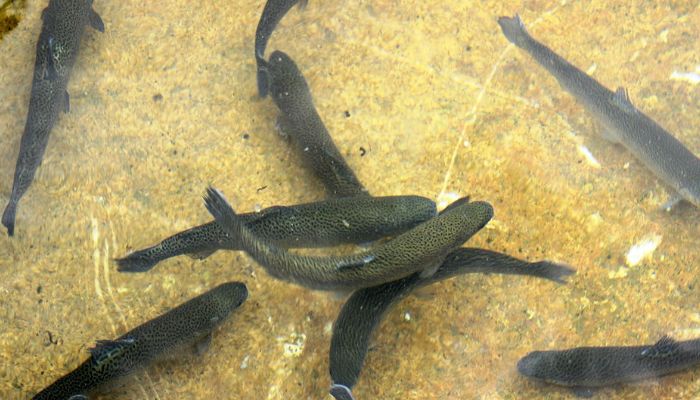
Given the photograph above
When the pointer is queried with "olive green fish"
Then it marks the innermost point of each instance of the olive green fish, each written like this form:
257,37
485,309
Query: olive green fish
586,368
623,123
56,52
272,14
300,120
365,308
422,248
331,222
189,324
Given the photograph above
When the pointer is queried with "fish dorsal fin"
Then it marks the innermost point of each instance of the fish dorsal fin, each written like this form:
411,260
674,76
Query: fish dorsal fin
665,347
454,204
107,350
96,21
622,99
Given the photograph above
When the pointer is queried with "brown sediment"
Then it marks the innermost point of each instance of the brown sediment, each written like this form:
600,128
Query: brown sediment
10,15
124,170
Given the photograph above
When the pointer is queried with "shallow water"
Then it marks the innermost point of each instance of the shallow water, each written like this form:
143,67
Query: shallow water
165,102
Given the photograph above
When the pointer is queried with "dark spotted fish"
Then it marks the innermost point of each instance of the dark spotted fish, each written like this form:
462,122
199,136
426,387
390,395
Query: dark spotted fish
422,248
187,325
331,222
56,52
366,307
623,123
586,368
272,14
300,120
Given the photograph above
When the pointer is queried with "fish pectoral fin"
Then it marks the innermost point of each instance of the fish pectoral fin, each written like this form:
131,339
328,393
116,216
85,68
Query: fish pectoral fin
622,100
105,348
202,345
666,346
283,126
96,21
430,269
66,102
609,135
355,263
583,392
672,201
201,254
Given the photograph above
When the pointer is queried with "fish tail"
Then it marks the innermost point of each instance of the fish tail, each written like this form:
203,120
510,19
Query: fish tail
341,392
514,30
219,207
554,272
263,76
138,261
8,217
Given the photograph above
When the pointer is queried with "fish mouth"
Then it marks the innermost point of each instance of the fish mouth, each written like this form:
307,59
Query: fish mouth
529,365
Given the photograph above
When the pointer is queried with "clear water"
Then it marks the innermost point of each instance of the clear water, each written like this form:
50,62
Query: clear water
443,106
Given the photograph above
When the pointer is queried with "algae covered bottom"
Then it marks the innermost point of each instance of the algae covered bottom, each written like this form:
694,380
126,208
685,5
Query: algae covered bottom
421,99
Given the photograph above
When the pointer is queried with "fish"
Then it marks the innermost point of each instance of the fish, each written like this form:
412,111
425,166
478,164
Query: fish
272,14
56,52
187,327
355,220
584,369
300,121
423,248
622,122
365,308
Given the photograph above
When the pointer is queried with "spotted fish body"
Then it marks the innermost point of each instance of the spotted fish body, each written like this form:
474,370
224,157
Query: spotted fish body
272,14
335,221
300,120
422,248
584,368
56,53
189,324
365,308
655,147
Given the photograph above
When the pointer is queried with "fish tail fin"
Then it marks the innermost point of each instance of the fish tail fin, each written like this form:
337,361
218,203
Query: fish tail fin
263,74
341,392
8,217
220,208
263,81
137,261
514,30
555,272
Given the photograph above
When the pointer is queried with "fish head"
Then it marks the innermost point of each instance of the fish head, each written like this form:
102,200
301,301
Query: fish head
286,81
226,298
534,365
561,367
464,219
